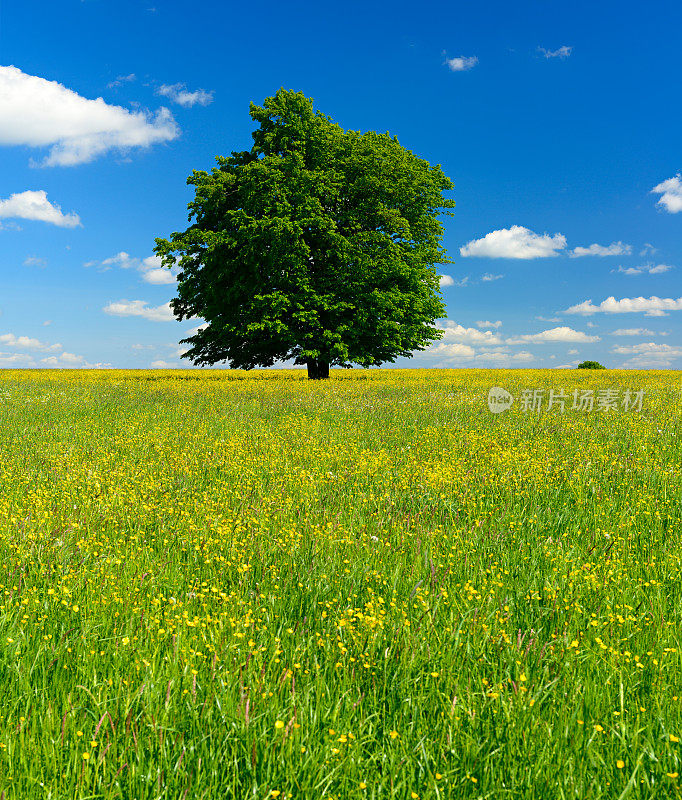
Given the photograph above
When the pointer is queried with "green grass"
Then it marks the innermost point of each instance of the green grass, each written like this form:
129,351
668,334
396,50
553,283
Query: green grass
240,585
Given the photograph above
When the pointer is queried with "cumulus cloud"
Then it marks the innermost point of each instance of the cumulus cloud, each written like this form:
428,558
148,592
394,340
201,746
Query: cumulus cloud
651,269
458,353
35,261
562,52
490,277
446,280
649,354
140,308
671,194
453,332
613,249
34,205
461,63
71,360
560,334
192,332
658,269
454,350
473,346
514,242
16,360
120,80
160,276
27,343
496,356
177,93
150,267
649,306
648,347
484,323
39,113
633,332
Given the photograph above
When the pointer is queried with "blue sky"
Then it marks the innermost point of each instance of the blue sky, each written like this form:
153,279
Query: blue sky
558,123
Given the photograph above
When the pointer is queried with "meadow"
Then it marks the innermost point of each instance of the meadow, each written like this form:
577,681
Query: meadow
221,584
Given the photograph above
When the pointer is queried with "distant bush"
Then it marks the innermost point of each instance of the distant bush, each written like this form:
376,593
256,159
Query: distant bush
591,365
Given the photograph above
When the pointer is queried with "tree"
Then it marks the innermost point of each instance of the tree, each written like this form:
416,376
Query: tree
590,365
317,245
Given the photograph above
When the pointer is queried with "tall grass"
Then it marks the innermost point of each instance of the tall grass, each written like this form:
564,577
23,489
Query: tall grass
231,585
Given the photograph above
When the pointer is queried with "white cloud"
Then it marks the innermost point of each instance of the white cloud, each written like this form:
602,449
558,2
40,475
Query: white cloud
649,268
34,205
671,194
490,277
650,306
633,332
150,267
658,269
35,261
484,323
453,332
562,52
70,360
191,332
561,334
456,350
497,356
459,352
446,280
514,242
649,354
613,249
139,308
16,360
549,319
177,93
121,259
27,343
152,272
121,79
648,347
461,63
648,250
64,358
39,113
160,364
573,352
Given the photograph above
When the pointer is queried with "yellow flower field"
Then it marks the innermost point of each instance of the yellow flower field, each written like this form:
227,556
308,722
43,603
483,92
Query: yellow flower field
219,584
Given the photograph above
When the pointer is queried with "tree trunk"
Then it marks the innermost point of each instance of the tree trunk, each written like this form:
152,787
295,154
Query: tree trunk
317,369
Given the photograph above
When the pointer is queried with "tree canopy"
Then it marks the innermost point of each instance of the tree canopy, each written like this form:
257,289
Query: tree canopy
590,365
317,245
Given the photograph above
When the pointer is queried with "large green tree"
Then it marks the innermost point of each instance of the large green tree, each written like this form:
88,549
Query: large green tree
317,245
